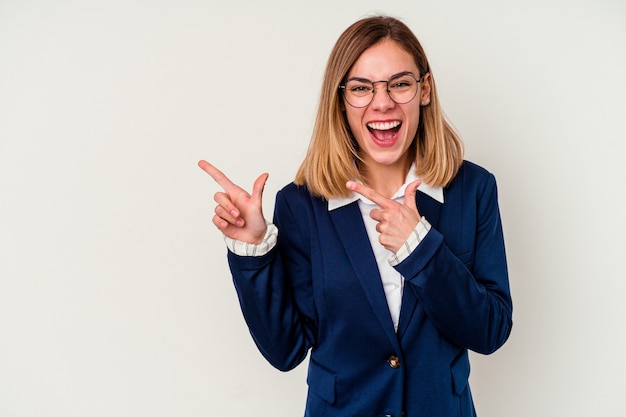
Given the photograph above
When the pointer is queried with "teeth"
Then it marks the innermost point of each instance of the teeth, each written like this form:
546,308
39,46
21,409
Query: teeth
383,125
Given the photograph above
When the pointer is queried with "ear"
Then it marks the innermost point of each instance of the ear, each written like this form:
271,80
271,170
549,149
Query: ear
425,90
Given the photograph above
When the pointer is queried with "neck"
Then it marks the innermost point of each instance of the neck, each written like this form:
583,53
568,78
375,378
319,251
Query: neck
387,179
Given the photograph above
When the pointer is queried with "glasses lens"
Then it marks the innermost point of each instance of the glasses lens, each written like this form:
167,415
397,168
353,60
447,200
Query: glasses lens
402,89
359,93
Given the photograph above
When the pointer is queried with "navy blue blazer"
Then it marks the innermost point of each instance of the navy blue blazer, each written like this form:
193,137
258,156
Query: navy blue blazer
319,289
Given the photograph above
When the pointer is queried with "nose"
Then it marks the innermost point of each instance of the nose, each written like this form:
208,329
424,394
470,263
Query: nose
382,100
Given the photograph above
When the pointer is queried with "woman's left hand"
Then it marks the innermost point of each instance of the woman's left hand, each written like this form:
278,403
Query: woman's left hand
396,221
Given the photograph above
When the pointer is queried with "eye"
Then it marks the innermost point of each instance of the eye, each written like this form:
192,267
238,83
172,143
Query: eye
402,84
359,88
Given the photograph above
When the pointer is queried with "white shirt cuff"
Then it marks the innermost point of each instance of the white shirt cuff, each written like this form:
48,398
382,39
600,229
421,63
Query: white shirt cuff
418,234
248,249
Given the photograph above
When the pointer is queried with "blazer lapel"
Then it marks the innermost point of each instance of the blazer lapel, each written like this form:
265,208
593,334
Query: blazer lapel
429,208
351,230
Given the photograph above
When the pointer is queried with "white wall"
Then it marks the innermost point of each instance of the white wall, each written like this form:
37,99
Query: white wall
115,298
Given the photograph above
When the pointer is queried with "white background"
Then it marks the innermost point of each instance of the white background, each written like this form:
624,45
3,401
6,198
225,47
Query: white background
115,298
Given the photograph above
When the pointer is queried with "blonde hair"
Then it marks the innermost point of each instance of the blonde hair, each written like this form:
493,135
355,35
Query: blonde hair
332,157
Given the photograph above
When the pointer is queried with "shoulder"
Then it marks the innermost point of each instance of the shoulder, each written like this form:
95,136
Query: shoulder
299,197
293,193
293,189
296,211
471,174
474,170
472,181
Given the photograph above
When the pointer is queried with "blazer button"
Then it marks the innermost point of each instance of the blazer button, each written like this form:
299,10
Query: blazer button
394,361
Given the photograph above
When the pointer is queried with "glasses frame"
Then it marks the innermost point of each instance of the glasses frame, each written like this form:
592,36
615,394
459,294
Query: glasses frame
342,88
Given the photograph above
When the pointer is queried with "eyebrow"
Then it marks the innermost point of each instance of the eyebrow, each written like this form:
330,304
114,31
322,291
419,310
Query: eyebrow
400,74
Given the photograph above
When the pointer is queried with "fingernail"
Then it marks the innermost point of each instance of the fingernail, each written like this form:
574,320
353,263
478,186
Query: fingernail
234,213
240,222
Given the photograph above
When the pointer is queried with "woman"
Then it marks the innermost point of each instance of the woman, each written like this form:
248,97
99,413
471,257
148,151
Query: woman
385,258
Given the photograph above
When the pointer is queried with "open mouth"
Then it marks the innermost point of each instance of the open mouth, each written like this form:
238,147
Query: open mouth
384,132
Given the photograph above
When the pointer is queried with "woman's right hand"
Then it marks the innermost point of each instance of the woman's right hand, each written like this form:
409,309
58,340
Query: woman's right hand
238,214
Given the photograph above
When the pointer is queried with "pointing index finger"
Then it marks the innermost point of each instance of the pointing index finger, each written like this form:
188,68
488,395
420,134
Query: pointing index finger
369,193
217,175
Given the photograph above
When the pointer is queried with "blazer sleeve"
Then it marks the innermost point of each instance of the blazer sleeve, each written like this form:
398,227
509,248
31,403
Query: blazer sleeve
269,288
468,299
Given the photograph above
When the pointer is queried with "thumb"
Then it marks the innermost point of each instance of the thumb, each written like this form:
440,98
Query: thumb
258,187
409,195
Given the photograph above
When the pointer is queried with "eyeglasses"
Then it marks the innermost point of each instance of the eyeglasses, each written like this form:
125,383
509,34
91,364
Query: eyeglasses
359,92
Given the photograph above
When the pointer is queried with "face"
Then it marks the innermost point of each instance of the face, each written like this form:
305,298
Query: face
384,129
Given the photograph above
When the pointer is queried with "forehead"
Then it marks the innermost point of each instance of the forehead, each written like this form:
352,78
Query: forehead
383,60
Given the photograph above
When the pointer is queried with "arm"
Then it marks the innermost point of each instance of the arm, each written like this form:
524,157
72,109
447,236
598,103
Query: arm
275,293
264,286
470,306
